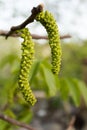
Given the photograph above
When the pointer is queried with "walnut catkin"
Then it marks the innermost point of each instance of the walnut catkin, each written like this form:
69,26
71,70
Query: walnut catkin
26,62
48,21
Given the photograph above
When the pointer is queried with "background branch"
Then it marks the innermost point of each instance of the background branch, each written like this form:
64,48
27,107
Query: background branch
34,36
71,124
15,122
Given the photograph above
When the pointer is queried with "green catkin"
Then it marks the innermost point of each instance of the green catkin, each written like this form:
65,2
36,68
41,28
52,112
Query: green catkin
48,21
26,62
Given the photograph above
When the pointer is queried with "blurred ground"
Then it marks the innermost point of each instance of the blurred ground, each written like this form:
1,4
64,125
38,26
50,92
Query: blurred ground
47,117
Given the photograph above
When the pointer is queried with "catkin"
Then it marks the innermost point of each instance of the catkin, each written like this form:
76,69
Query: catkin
48,21
26,62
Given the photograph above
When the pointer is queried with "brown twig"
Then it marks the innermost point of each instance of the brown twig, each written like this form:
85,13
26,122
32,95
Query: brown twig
15,122
34,36
30,19
71,124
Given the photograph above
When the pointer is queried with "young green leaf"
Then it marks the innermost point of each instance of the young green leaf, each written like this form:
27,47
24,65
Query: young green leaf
64,89
34,70
50,81
74,91
83,90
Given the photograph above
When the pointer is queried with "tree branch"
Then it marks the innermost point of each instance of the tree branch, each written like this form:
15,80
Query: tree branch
30,19
34,36
71,124
15,122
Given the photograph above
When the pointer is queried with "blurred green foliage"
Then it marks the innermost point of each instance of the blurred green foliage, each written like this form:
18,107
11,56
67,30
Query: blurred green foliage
69,84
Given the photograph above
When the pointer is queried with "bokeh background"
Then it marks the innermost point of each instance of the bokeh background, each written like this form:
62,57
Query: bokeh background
60,98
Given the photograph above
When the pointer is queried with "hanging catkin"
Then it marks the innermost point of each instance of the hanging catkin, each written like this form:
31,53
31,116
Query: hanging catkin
26,62
48,21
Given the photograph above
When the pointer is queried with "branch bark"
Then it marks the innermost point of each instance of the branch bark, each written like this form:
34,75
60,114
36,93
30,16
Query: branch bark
34,36
15,122
30,19
71,124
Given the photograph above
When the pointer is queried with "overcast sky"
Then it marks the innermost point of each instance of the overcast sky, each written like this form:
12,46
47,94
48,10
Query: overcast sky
71,15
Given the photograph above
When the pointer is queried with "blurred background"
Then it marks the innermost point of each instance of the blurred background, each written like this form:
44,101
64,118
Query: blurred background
60,98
